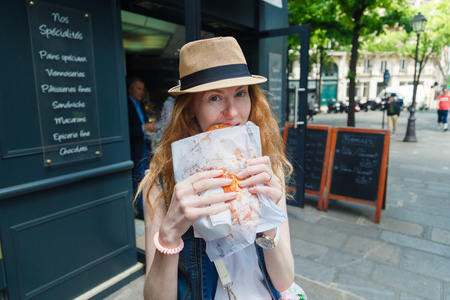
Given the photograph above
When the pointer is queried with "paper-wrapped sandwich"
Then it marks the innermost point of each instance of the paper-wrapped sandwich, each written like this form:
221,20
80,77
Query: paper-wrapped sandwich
227,148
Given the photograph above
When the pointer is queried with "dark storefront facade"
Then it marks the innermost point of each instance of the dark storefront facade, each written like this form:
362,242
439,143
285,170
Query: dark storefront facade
66,213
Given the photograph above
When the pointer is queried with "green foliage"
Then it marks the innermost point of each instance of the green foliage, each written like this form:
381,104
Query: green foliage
351,75
347,23
431,43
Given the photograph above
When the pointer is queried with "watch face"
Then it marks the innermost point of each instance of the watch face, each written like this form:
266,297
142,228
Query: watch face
264,243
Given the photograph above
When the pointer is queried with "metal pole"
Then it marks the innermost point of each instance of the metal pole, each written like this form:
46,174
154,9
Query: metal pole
411,129
193,20
383,109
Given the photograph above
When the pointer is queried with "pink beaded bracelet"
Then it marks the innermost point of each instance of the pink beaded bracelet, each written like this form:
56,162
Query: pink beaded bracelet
165,250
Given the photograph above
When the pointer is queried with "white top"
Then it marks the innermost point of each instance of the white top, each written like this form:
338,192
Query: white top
248,280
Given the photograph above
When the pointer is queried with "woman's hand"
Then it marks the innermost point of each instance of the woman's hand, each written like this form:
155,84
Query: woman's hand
187,206
260,171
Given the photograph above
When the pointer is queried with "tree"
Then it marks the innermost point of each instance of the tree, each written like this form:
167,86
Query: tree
347,22
318,14
433,41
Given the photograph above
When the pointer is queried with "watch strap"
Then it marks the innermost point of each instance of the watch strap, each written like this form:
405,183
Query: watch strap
274,241
276,238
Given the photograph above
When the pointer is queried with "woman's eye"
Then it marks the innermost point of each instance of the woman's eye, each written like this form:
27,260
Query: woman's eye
214,98
240,94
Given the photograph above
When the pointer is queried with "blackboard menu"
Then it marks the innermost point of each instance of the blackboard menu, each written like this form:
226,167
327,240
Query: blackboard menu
294,150
315,157
291,150
357,165
62,50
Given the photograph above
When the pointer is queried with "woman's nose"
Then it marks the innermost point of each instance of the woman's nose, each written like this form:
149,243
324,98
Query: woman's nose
230,110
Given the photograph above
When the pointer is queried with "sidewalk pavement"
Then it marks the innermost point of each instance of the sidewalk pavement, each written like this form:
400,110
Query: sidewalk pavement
343,254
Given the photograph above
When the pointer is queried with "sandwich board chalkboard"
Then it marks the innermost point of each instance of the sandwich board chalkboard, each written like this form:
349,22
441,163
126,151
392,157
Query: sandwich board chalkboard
357,169
317,151
294,152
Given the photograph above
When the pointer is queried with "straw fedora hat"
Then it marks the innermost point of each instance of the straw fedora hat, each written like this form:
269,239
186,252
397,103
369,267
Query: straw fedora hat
213,64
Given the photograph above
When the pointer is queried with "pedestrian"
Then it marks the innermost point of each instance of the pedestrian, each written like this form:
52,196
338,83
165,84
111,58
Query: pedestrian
393,112
444,105
216,88
138,126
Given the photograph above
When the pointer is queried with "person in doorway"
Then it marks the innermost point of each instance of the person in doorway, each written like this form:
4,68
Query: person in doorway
216,88
444,105
393,112
311,104
139,127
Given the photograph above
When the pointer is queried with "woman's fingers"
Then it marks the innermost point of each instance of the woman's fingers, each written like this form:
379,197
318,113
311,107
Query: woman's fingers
209,210
256,166
211,183
273,193
260,179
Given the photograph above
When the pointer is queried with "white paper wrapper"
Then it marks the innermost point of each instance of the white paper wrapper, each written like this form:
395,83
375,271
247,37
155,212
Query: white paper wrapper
227,148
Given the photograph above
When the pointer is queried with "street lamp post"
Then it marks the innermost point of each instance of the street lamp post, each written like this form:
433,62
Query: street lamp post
418,24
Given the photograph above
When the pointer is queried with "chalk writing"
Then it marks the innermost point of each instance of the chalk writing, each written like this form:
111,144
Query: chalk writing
55,73
314,157
68,104
62,120
61,39
357,164
60,32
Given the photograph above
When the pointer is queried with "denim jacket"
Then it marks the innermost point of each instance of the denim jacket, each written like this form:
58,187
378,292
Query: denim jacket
197,276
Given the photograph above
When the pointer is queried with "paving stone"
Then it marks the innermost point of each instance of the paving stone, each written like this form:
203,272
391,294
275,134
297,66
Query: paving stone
350,263
425,192
398,226
432,201
373,250
406,296
309,250
365,288
314,271
306,214
318,235
362,226
318,291
416,243
439,187
409,282
440,235
427,264
405,214
414,180
447,291
430,210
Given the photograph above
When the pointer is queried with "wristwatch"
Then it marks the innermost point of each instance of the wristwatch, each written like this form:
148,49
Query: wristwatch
266,242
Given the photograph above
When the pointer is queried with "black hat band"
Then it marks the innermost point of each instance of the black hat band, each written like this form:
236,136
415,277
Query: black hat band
214,74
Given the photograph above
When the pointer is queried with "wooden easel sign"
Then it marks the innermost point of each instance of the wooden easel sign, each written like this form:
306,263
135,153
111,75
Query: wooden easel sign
358,167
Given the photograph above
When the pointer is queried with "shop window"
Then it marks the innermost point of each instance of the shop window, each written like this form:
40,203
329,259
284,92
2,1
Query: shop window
365,93
367,66
402,65
383,66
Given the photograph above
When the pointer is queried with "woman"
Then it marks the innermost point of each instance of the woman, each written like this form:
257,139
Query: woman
216,88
